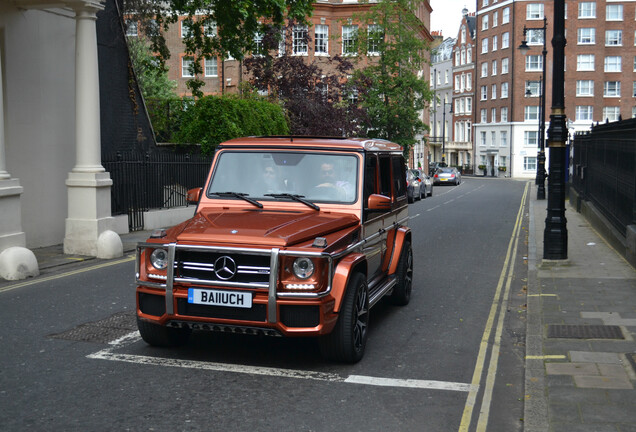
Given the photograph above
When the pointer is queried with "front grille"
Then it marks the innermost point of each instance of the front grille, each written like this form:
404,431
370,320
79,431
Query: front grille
152,304
200,266
300,316
256,313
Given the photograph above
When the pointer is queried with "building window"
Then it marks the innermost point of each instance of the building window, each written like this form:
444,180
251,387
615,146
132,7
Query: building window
584,113
504,65
611,113
614,12
211,69
186,67
587,10
505,16
493,115
634,88
469,54
494,43
529,163
484,45
484,69
495,18
535,37
131,28
463,57
375,38
530,138
534,63
484,23
585,62
586,36
503,140
534,11
634,112
613,64
482,139
469,81
456,58
504,114
349,39
493,92
259,48
612,89
299,40
493,139
494,67
585,88
483,115
484,92
469,105
186,30
504,90
613,38
531,113
505,40
210,29
463,35
533,88
321,39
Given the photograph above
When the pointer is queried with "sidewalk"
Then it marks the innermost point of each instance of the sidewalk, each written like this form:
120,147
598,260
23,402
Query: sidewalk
580,348
53,256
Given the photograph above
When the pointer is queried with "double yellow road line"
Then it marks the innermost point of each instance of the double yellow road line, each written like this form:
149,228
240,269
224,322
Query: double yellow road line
497,315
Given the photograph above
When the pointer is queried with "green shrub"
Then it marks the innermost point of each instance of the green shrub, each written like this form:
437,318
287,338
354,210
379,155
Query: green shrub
214,119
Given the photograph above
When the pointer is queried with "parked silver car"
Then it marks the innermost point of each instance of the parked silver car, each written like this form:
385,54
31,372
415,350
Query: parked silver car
413,189
426,183
447,175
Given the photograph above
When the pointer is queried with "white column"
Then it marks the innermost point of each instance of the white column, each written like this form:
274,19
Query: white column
89,222
16,262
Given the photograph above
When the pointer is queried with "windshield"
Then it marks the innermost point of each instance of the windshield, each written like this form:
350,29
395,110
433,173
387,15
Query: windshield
322,177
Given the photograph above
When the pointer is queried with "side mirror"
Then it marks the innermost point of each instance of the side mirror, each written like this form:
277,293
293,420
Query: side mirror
194,195
379,202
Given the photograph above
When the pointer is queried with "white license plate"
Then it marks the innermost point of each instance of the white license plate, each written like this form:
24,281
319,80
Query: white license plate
220,298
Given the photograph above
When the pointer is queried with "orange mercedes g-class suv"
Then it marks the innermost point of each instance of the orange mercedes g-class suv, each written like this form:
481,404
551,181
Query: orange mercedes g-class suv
292,236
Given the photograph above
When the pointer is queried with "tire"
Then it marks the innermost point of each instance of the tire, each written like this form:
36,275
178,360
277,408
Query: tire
401,295
161,336
411,198
419,193
347,341
431,192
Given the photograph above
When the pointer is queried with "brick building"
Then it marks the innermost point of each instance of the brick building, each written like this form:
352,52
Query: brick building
331,32
600,78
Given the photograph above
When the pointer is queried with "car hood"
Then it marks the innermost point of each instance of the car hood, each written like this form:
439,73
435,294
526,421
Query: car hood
262,227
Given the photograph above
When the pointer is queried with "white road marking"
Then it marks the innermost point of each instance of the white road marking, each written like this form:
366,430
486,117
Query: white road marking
109,354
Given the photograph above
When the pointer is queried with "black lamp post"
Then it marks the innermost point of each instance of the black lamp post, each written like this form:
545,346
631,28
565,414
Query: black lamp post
541,174
444,132
555,236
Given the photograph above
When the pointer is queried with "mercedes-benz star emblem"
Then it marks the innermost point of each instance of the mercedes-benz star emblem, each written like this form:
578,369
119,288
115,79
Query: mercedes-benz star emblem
224,267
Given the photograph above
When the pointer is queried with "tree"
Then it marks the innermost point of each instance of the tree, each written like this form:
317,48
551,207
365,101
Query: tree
152,78
390,87
216,27
316,100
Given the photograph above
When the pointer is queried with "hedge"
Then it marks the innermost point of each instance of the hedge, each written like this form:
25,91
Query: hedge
214,119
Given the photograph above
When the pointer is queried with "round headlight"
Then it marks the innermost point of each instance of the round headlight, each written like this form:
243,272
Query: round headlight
303,268
159,259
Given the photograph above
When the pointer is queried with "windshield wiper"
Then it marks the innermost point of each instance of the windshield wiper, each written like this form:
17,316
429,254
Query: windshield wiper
240,195
295,197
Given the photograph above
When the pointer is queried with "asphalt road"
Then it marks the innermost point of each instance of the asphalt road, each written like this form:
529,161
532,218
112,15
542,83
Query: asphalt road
452,360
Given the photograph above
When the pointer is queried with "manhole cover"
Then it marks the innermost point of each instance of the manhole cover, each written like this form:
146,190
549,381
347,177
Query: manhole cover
102,331
585,331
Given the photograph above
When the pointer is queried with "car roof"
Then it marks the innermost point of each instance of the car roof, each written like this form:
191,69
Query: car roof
308,142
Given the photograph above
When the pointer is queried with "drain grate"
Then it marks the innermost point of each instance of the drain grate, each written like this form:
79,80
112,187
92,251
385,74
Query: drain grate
585,331
103,331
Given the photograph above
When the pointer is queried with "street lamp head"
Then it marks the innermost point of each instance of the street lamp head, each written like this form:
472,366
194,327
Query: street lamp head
528,92
524,48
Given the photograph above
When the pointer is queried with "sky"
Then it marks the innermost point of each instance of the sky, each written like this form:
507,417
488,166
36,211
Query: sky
447,15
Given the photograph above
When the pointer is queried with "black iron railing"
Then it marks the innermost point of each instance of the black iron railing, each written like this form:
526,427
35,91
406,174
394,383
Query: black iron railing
604,170
144,181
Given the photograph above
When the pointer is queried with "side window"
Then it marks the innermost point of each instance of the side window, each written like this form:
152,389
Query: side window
370,176
399,176
385,175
